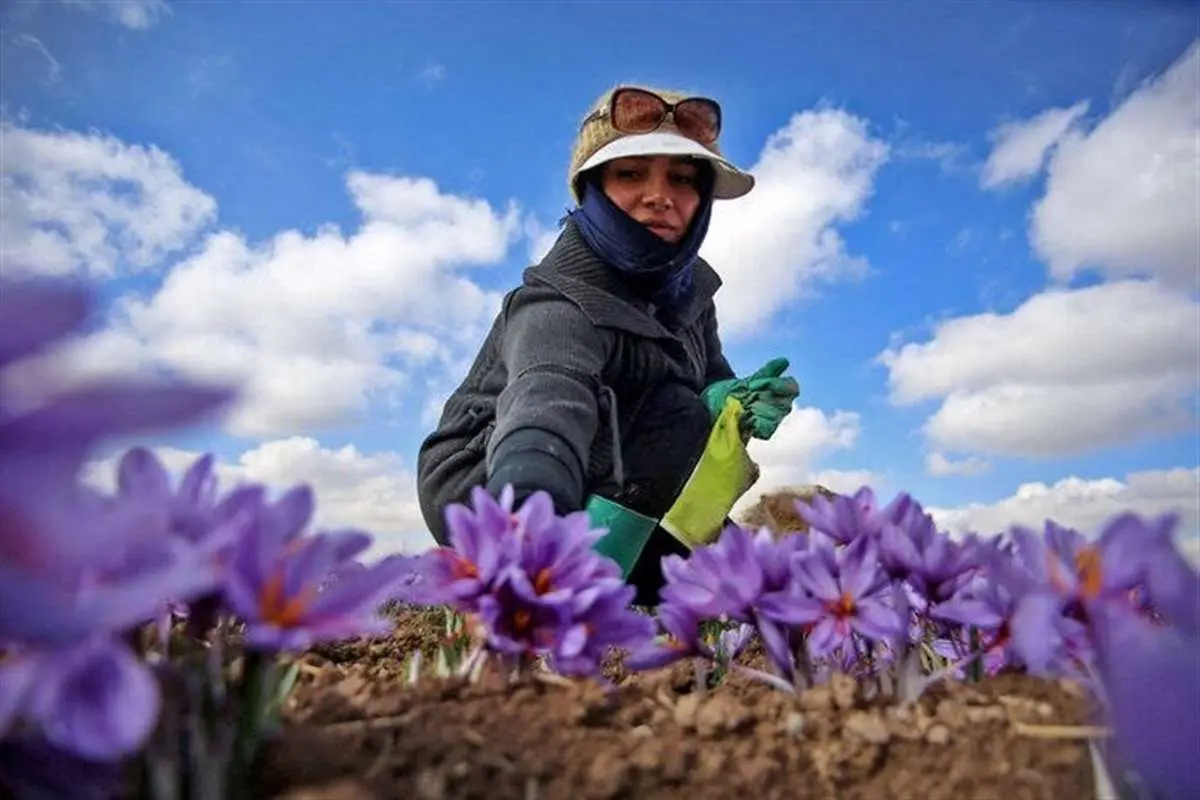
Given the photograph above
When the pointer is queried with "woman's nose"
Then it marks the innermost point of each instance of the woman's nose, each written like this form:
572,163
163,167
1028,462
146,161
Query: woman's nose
657,194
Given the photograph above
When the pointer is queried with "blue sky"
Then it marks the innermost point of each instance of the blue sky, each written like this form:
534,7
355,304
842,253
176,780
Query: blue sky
325,202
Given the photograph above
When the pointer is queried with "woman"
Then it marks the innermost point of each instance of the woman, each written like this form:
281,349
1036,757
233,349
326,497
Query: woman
603,374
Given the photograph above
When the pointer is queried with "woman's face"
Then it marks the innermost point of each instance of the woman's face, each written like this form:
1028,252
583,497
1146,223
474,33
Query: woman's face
658,191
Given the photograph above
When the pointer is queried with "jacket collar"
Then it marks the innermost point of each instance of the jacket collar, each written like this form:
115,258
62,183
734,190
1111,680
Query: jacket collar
575,271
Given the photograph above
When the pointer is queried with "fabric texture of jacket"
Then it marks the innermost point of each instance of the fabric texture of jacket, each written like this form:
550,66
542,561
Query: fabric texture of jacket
561,373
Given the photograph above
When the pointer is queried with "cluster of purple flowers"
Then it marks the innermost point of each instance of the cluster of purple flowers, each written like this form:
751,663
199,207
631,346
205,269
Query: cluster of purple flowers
81,570
871,591
534,583
868,588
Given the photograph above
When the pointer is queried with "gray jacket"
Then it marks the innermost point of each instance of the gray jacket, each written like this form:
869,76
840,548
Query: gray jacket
561,373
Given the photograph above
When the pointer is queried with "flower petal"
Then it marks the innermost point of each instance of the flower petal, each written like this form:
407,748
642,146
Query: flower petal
105,704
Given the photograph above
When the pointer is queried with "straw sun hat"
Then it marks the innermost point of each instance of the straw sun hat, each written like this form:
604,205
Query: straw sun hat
598,142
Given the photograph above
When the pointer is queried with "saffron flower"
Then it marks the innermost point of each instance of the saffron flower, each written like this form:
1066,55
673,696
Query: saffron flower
722,578
276,572
681,638
932,563
482,536
600,618
847,598
534,582
847,518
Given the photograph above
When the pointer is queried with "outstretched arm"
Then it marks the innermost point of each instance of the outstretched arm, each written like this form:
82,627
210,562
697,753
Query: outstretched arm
547,415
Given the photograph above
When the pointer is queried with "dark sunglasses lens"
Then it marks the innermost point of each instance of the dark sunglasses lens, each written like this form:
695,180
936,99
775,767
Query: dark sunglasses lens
637,112
699,119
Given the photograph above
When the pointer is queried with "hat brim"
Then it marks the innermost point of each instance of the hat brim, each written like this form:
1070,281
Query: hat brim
730,182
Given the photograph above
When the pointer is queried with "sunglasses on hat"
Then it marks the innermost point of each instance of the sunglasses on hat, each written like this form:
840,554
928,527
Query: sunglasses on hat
632,110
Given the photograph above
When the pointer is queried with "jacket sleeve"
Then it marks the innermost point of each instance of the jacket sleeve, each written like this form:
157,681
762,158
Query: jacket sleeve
548,413
718,368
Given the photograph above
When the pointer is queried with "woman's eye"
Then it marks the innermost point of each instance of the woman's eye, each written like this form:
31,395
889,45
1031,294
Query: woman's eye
687,180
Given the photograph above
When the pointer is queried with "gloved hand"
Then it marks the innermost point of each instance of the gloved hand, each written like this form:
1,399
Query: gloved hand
766,397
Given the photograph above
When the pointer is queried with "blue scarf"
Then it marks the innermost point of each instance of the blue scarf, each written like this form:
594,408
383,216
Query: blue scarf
633,249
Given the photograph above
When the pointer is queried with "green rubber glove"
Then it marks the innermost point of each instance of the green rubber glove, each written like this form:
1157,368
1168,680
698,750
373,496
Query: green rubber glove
766,397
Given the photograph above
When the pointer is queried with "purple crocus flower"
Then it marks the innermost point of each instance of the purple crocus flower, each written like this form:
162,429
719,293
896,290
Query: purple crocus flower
838,602
96,699
273,580
1019,615
681,639
482,543
773,615
555,554
847,518
723,578
600,617
518,624
917,552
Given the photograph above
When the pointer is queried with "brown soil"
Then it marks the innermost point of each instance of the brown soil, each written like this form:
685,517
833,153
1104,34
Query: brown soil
355,730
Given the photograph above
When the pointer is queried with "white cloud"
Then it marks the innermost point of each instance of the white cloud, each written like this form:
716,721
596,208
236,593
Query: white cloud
1020,148
314,327
940,464
1069,371
1125,197
791,456
1086,504
777,243
77,202
541,239
133,14
375,492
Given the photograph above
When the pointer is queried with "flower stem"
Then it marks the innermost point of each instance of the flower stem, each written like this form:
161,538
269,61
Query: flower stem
767,678
975,670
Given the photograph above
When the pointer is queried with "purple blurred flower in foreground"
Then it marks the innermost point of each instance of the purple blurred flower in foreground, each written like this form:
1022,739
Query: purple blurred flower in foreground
1151,676
847,598
275,574
32,767
56,585
846,518
96,700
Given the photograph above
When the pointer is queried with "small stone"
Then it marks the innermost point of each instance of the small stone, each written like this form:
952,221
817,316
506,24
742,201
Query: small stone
642,732
686,709
721,714
793,725
844,690
903,723
608,777
816,698
950,712
977,715
938,734
1044,710
866,727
